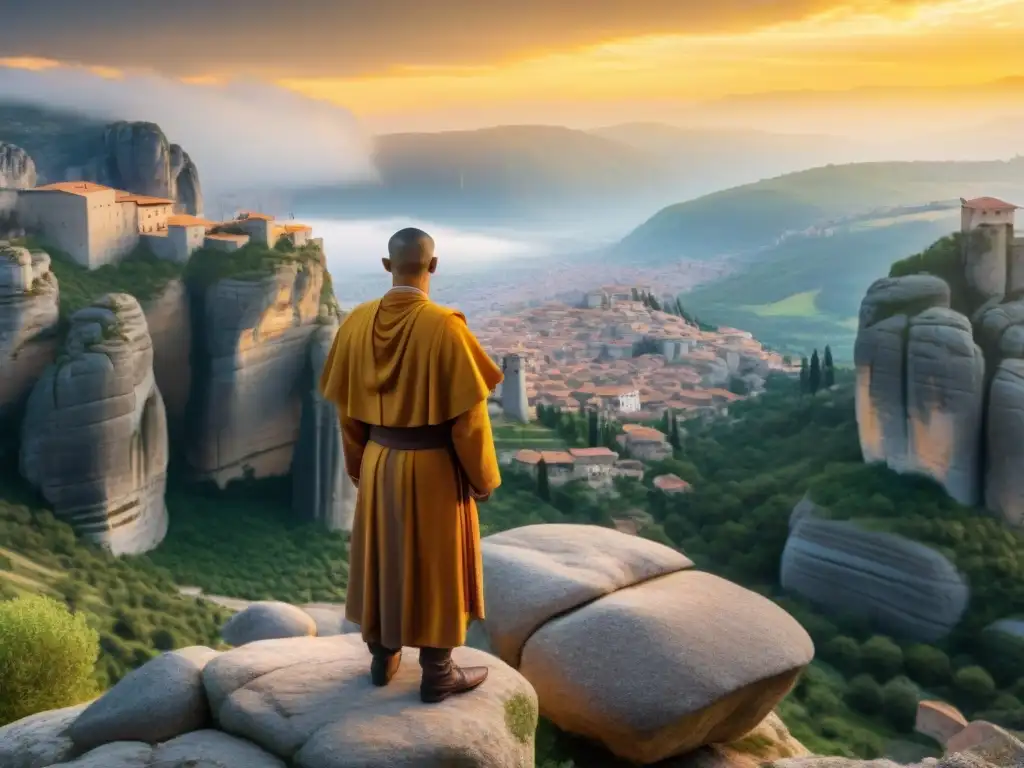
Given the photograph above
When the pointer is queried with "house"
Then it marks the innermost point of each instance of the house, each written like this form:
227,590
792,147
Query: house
671,484
559,465
647,444
91,223
594,464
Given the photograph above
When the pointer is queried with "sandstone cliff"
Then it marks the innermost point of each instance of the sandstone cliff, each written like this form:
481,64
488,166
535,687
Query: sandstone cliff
322,489
28,323
17,170
94,436
939,391
138,157
250,356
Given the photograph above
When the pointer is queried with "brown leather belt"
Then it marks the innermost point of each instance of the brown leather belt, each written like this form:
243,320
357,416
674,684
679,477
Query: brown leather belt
426,438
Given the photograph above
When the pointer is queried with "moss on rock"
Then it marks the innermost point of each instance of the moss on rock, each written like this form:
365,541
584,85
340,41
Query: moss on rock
521,717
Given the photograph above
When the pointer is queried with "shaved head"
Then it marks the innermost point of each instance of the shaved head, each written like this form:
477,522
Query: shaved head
410,253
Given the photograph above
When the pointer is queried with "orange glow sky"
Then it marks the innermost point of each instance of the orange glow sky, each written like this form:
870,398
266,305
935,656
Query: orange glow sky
933,43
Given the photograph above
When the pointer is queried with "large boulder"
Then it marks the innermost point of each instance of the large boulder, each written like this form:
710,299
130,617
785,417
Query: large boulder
629,646
267,620
907,588
185,181
198,749
28,339
160,700
323,491
945,398
94,436
1004,452
251,338
40,740
310,702
880,355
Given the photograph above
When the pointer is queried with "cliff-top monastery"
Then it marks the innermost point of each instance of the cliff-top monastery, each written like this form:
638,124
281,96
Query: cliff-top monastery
98,225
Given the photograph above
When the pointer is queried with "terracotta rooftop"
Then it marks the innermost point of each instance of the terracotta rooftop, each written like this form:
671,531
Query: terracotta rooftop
526,456
128,197
184,220
586,453
254,215
72,187
297,228
557,457
988,203
670,483
225,236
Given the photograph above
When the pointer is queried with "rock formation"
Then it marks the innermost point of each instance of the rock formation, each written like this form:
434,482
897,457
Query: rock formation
300,702
168,318
909,589
94,436
138,157
251,338
684,658
28,323
17,170
322,489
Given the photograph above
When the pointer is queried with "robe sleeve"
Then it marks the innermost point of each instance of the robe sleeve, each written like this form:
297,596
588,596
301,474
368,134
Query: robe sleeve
474,446
354,436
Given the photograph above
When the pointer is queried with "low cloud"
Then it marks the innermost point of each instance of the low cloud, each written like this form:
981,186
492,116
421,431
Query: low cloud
241,134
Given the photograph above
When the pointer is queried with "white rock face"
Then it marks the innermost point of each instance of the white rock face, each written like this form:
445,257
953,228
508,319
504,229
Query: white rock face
254,341
945,398
38,741
28,323
94,437
627,645
17,169
1004,479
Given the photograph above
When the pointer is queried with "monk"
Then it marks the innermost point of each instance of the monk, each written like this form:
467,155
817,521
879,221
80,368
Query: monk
411,382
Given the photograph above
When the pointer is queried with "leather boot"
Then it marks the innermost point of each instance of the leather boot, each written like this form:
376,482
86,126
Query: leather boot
384,665
442,677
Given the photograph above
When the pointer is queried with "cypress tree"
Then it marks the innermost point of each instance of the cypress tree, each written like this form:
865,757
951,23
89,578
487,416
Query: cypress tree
804,373
593,430
636,295
829,370
673,434
814,375
542,481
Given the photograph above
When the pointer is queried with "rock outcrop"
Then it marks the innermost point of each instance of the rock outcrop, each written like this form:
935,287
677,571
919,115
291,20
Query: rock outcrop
940,392
17,170
629,646
138,157
909,589
268,620
94,436
251,339
323,491
28,324
168,318
303,702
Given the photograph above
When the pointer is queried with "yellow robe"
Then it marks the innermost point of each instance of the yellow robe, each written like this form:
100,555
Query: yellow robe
415,572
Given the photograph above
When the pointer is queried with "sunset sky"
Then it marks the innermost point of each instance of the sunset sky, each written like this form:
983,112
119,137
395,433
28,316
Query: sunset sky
458,62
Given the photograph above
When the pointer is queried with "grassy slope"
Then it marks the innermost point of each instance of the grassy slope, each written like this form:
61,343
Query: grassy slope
751,216
769,296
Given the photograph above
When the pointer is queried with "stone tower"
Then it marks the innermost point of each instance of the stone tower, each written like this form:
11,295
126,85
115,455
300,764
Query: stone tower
989,268
513,389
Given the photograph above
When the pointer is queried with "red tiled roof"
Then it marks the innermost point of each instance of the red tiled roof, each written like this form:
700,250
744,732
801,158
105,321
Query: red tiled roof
526,456
670,483
988,203
557,457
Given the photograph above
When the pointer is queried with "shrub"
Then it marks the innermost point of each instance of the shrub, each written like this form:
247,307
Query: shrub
974,685
844,652
899,703
864,694
47,657
1003,655
881,657
820,700
927,665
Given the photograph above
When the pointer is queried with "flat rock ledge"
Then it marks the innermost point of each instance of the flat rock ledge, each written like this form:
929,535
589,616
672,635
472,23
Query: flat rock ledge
303,702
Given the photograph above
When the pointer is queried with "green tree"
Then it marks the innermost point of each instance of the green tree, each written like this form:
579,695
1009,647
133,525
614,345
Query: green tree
654,304
974,685
636,295
814,374
47,656
881,657
828,369
804,375
864,694
543,489
674,438
927,664
593,429
844,652
899,703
